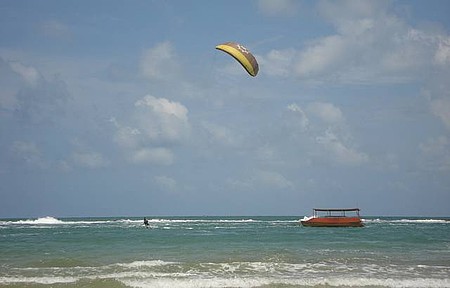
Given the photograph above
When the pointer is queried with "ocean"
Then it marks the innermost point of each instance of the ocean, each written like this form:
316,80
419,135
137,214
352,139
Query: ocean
223,252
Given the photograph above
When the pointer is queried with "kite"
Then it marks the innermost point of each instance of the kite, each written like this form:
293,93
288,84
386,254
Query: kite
242,55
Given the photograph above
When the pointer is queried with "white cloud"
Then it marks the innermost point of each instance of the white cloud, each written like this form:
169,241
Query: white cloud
160,119
442,56
267,154
28,153
273,179
327,112
435,146
278,62
371,45
324,123
63,165
28,73
278,8
158,156
301,117
221,135
160,62
155,122
261,179
436,154
33,98
162,106
341,153
55,29
127,137
441,108
324,56
89,160
166,183
345,13
9,81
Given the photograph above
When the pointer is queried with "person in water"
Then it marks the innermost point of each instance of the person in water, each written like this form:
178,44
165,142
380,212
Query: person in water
146,222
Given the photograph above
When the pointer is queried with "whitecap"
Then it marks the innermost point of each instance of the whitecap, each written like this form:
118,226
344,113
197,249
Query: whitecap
48,220
147,263
275,281
38,280
408,221
423,221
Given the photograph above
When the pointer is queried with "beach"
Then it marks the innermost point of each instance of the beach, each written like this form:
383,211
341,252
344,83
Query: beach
223,252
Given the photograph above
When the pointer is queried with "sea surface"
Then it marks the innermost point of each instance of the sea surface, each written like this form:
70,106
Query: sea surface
223,252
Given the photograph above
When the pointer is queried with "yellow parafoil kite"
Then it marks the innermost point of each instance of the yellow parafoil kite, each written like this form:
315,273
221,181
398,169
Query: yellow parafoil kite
242,55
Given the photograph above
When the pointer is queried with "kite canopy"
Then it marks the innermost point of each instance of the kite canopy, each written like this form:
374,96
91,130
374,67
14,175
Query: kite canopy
242,55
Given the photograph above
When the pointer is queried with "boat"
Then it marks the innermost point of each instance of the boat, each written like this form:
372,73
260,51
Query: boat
333,218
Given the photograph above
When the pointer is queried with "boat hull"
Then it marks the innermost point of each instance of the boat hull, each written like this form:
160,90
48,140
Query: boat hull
333,222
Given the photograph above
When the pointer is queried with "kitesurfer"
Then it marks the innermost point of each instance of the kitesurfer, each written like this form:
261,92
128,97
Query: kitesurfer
146,222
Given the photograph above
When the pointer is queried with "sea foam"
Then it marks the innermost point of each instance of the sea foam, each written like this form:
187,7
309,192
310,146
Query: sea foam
41,221
408,221
134,280
269,282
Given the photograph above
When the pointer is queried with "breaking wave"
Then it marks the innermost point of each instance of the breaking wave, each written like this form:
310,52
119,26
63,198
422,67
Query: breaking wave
408,221
40,221
158,273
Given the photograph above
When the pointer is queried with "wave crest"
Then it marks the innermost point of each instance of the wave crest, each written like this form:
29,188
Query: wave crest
48,220
408,221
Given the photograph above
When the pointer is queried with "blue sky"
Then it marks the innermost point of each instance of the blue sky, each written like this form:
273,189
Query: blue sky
114,108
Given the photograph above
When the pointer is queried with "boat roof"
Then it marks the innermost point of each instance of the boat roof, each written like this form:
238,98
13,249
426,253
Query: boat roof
335,209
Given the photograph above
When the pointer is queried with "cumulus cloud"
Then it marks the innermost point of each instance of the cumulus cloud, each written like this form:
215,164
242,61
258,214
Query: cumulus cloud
127,137
323,56
370,45
327,112
341,153
160,62
442,56
161,120
155,125
28,73
278,62
343,15
323,123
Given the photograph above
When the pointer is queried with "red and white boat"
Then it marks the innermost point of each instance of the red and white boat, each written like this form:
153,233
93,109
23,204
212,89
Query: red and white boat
334,218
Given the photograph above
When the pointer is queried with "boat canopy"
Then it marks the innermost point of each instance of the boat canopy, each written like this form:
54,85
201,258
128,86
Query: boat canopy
335,212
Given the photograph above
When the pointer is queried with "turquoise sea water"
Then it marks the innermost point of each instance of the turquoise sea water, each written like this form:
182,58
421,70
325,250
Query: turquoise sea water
223,252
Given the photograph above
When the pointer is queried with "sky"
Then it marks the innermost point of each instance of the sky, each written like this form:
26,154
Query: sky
125,108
